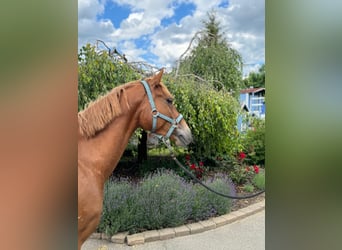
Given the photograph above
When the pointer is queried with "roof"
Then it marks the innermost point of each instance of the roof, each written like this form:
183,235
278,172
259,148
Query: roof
251,90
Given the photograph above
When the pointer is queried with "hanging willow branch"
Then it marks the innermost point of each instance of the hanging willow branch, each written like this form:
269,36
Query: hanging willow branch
189,47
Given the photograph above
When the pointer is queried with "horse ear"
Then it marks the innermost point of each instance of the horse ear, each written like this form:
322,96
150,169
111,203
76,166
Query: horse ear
157,78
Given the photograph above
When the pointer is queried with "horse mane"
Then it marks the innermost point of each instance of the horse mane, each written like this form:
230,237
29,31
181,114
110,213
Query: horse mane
101,112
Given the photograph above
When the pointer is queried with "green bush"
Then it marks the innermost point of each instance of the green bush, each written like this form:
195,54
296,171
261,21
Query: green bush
259,180
248,188
207,204
119,210
153,163
210,114
255,142
98,73
164,199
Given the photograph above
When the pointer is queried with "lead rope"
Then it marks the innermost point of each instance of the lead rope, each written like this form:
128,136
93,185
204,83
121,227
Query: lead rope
167,144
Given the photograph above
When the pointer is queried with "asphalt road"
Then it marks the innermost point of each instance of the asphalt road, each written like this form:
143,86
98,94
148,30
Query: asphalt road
245,234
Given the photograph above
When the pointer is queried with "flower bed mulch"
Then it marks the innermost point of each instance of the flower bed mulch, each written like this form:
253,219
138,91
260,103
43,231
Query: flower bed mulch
238,204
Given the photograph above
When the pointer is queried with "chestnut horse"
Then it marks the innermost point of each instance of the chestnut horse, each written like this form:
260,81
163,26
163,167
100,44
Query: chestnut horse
105,128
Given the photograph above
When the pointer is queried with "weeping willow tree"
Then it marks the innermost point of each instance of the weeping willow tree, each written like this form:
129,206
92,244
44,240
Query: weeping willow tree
213,58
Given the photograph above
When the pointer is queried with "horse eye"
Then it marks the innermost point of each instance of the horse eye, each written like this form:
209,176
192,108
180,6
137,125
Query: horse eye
169,100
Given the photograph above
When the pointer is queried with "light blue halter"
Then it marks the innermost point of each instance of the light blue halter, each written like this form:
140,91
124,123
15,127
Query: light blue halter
156,114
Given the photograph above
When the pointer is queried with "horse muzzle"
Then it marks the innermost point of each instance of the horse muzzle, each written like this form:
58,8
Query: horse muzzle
182,136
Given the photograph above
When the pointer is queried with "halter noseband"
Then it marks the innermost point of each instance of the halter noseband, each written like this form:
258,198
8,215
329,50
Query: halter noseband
156,114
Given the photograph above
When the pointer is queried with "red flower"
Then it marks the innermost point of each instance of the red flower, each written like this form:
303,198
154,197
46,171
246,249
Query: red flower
256,169
187,157
242,155
201,164
193,166
199,170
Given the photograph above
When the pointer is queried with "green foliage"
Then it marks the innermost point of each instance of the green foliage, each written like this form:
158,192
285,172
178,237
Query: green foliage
98,73
214,59
210,114
254,142
165,200
259,180
256,79
153,163
206,203
160,200
248,188
243,174
239,174
118,208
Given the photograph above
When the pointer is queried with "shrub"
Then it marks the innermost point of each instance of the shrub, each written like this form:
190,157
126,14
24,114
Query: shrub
153,163
118,212
259,180
207,204
98,73
255,142
248,188
207,111
163,199
160,200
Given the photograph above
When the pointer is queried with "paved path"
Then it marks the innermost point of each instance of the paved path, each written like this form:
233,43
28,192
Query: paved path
245,234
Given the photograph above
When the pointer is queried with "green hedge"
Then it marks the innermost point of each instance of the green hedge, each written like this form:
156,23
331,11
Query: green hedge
210,114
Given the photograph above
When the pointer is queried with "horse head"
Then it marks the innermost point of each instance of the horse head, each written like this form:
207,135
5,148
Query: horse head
159,115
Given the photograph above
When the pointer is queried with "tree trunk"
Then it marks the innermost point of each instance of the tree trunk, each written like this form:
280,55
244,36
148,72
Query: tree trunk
142,147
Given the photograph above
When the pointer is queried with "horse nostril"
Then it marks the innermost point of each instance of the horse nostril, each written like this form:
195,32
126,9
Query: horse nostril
185,138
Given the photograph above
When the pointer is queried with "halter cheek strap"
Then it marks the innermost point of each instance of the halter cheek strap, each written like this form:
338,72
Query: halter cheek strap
156,115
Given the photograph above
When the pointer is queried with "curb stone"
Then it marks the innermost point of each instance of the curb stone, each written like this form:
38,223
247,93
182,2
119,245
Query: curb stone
119,238
96,236
219,221
135,239
166,233
152,235
193,228
208,224
182,231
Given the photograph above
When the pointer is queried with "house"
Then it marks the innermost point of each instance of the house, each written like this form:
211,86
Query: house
252,102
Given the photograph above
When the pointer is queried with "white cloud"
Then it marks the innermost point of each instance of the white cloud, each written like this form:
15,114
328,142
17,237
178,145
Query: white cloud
89,9
89,27
242,21
136,25
133,54
204,5
170,42
152,8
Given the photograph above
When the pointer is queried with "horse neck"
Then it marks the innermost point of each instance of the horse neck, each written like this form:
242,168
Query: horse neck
102,152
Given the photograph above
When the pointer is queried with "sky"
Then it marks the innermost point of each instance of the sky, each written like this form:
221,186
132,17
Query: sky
159,31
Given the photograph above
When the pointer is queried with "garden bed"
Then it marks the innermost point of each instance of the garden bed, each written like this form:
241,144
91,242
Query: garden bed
134,171
168,197
238,204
